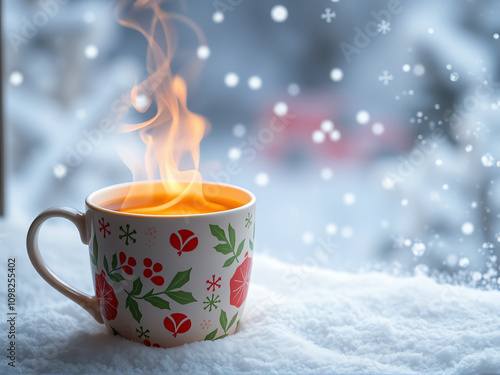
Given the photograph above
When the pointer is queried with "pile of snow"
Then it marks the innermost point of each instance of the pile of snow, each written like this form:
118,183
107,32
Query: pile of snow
297,320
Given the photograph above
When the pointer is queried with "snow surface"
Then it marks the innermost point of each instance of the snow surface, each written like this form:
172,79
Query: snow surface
298,320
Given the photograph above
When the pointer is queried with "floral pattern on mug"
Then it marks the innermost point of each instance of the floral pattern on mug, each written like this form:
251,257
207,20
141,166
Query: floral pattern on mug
106,297
239,283
183,241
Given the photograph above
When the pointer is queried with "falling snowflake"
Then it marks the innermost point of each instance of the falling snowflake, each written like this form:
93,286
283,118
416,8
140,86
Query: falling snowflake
211,302
104,227
213,283
127,234
384,27
328,15
248,220
142,332
385,77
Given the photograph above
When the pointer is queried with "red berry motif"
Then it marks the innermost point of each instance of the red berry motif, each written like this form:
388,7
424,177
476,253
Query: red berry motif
148,343
183,241
177,323
157,267
127,264
239,283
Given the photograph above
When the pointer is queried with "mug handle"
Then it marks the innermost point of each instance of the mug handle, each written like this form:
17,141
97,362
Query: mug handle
87,302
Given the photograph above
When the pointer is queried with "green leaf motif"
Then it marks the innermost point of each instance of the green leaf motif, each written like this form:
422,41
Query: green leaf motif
181,297
251,244
134,308
223,248
221,337
230,261
218,232
157,302
115,332
211,335
114,262
116,277
240,248
232,321
136,287
106,267
179,280
223,320
232,236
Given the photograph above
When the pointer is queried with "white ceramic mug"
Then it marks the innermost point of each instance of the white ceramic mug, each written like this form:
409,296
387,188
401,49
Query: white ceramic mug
161,280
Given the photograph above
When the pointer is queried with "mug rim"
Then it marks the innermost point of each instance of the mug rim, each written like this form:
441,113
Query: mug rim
116,186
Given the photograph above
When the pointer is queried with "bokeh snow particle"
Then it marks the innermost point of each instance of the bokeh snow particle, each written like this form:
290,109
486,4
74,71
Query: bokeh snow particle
336,74
141,101
89,17
468,148
419,70
308,238
293,89
362,117
388,183
418,249
430,30
262,179
326,174
349,199
454,76
280,109
327,126
331,229
60,171
463,262
255,82
495,36
81,114
234,153
218,17
404,202
231,79
16,78
318,136
467,228
378,128
346,232
239,130
203,52
279,13
406,68
488,160
91,51
335,135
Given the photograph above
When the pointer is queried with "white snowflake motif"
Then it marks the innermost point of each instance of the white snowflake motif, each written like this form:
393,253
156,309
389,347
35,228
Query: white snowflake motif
384,27
328,15
385,77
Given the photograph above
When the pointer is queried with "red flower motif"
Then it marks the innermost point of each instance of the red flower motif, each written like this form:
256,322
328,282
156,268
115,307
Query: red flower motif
239,283
183,241
177,323
106,297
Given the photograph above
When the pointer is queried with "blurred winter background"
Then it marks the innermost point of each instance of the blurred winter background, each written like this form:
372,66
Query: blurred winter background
369,131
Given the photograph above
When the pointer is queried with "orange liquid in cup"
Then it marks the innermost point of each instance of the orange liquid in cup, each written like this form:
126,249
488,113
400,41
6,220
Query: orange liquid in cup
225,199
